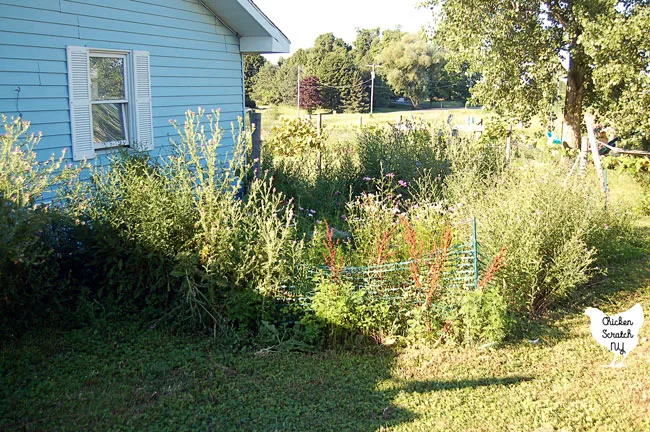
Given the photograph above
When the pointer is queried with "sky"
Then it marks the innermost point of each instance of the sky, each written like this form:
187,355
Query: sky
303,20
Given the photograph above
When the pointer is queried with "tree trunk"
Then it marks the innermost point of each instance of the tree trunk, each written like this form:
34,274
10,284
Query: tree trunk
575,92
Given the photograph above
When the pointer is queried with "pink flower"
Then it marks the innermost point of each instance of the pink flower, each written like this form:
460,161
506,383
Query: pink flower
403,183
390,175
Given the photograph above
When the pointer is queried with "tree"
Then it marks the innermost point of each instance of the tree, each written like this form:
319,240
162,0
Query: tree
334,71
275,85
406,64
619,45
366,46
329,43
264,89
353,96
252,65
310,93
447,85
517,47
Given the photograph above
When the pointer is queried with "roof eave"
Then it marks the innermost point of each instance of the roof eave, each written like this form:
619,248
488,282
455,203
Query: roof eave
257,33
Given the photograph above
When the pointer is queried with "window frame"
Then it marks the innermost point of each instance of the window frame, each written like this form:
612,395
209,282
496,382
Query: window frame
140,107
128,104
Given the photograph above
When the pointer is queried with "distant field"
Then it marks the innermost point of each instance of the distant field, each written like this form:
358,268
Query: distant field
350,122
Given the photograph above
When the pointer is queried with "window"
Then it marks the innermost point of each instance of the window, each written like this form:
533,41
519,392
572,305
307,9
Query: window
110,100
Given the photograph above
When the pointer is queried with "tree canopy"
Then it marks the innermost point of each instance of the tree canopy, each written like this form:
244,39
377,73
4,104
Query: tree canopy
407,63
344,71
518,48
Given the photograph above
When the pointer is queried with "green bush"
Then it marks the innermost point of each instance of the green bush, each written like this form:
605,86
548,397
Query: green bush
406,152
173,238
483,317
294,137
37,245
345,310
554,231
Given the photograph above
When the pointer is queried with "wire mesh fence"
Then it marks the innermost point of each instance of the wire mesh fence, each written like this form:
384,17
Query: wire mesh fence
404,282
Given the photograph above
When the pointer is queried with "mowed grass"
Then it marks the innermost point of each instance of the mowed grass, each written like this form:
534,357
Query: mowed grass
128,376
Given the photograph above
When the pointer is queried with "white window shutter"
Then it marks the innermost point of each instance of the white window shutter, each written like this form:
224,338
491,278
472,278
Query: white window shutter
143,113
81,122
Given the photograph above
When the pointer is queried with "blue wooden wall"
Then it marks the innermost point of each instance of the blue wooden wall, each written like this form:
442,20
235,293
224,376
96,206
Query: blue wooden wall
195,61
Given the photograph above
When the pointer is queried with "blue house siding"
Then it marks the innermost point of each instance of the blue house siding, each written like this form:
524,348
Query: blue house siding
195,61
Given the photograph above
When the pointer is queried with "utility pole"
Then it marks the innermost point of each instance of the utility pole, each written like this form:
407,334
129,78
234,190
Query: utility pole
298,91
372,88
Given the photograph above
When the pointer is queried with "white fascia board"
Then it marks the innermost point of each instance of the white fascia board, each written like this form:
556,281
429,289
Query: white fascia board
256,31
262,45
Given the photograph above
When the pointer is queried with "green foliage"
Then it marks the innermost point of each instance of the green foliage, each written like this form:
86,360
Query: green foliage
406,151
553,231
515,49
253,63
294,137
353,96
344,309
366,46
275,85
36,241
406,64
336,72
483,317
172,238
618,42
23,179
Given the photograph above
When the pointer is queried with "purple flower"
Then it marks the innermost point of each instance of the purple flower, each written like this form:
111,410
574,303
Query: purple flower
344,217
367,179
312,212
403,183
390,175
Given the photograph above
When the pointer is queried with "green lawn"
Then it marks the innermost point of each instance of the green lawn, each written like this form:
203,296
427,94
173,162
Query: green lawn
345,121
129,377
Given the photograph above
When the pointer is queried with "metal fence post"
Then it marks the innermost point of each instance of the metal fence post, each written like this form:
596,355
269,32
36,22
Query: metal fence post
475,252
256,138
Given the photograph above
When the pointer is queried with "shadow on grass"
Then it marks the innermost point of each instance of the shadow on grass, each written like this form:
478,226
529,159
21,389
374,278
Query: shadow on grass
435,385
125,376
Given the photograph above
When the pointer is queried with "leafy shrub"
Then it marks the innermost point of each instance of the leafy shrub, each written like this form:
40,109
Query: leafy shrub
344,309
552,230
483,317
141,223
174,238
35,239
405,151
294,137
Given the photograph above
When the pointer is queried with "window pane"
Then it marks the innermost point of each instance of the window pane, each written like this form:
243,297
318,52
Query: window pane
108,122
107,78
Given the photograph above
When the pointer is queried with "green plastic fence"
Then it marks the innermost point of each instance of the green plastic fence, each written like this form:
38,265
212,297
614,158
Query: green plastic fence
393,282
